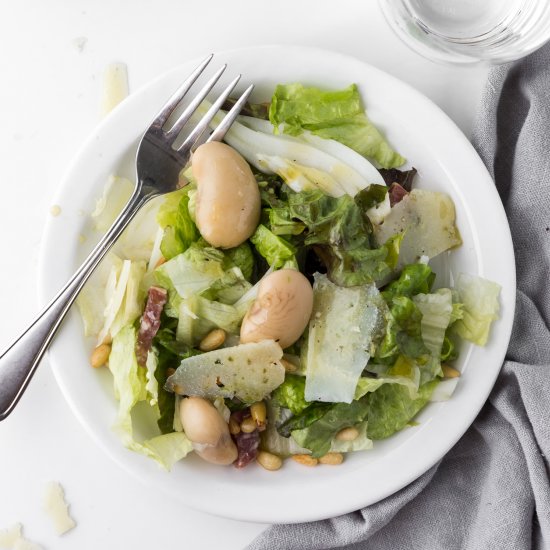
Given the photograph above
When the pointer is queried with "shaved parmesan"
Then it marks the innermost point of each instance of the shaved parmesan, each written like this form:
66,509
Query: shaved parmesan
115,87
25,544
56,507
9,535
427,219
341,330
248,371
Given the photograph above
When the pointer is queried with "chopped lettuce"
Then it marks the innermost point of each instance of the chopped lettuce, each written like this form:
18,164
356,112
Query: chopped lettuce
198,316
318,436
337,115
291,394
391,408
343,325
413,279
341,235
92,300
369,385
480,307
189,273
130,387
241,257
179,228
274,249
436,312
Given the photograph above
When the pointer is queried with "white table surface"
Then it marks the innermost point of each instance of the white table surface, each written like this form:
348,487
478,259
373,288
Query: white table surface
49,95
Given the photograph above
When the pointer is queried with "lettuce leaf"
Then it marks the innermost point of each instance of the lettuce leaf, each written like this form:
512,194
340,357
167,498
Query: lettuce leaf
241,257
360,443
318,436
291,394
274,249
179,228
130,387
337,115
391,408
341,235
480,300
189,273
414,279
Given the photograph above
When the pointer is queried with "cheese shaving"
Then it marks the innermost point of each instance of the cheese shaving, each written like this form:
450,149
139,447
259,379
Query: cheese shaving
115,87
56,507
9,535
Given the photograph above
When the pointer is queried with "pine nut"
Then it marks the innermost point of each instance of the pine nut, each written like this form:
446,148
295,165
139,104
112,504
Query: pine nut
100,355
269,461
213,340
234,427
258,413
289,367
332,458
347,434
248,425
306,460
450,372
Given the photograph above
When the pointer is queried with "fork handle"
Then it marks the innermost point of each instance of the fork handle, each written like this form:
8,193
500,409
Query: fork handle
19,362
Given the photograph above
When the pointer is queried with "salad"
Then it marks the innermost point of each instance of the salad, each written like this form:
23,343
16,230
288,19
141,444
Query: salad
281,303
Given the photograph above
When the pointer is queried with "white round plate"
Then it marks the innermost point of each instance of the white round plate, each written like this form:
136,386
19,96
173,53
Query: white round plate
446,162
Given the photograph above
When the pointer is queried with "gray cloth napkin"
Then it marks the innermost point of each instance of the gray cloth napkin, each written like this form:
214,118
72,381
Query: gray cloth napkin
492,490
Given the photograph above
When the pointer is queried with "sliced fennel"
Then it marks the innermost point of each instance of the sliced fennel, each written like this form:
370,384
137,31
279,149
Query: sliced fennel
257,147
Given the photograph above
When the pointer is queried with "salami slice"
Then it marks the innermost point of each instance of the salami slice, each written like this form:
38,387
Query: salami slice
397,193
150,322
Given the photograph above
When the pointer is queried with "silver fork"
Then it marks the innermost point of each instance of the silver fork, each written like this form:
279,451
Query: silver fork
158,165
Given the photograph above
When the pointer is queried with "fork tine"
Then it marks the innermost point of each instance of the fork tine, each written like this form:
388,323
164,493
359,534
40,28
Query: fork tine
192,107
221,129
202,125
178,95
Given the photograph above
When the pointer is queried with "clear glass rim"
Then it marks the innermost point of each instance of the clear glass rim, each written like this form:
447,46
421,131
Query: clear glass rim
439,47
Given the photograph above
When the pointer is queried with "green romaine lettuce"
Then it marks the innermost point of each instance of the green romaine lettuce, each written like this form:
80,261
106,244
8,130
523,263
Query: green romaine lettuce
130,387
391,408
189,273
274,249
291,394
318,436
337,115
179,228
414,279
480,308
241,257
360,443
340,234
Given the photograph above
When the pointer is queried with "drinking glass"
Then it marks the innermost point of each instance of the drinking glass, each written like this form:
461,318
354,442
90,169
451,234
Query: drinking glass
470,31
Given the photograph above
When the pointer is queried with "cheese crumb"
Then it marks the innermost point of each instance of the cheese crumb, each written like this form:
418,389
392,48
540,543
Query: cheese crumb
9,535
12,539
115,87
56,507
55,210
24,544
